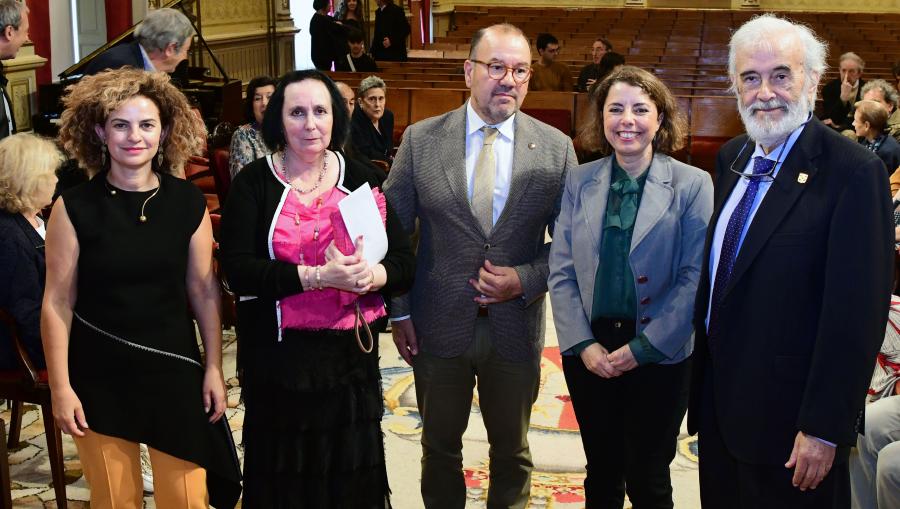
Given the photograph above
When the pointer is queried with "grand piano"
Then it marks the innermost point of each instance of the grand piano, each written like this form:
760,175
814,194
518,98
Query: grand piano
219,99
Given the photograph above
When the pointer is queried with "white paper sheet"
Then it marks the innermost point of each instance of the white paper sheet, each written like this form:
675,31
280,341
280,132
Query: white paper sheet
361,217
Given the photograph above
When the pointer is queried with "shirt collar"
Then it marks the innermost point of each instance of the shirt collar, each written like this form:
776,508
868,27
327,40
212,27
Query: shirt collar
148,64
474,123
780,152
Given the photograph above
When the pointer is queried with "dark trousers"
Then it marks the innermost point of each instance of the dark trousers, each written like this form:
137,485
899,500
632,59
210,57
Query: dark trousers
727,483
506,392
629,424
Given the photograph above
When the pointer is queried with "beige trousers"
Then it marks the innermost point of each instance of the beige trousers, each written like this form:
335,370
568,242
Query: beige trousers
112,467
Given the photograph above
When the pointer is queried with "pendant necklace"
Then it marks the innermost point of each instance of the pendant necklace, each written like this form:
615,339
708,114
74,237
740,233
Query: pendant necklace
141,218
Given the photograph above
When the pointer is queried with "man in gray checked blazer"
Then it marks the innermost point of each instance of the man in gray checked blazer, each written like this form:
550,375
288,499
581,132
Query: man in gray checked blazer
484,182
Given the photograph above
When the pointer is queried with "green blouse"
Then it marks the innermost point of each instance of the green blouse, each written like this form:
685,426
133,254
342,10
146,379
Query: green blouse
614,291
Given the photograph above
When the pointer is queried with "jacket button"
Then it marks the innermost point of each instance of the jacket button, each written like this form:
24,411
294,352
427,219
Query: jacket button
642,279
645,320
487,246
645,301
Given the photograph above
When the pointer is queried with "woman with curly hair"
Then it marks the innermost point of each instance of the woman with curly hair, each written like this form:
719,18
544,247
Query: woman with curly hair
127,253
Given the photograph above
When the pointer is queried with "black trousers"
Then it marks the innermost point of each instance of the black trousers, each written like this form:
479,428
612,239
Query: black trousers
727,483
629,424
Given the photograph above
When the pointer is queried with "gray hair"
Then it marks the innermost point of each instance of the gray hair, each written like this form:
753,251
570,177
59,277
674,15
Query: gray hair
368,83
11,12
506,28
856,58
889,92
162,27
767,31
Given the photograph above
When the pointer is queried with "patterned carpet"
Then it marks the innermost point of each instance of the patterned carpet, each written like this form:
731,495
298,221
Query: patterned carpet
555,443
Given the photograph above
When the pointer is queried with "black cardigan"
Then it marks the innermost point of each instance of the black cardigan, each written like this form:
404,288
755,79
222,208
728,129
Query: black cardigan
21,287
254,199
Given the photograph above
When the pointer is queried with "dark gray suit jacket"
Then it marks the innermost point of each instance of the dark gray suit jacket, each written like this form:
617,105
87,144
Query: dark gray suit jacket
428,182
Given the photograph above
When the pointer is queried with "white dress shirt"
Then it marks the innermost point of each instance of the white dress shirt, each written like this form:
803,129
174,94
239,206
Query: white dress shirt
148,64
503,155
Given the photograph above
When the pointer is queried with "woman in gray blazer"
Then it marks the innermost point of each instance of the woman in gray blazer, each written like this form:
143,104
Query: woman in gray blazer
624,267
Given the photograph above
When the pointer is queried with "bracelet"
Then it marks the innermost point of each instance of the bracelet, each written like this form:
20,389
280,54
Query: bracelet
318,278
306,276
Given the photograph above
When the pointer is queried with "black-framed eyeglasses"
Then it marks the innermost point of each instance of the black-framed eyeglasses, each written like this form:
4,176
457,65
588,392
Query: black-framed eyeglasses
497,71
763,177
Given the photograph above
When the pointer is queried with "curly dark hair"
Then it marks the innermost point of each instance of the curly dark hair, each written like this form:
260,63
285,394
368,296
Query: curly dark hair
672,129
273,126
90,101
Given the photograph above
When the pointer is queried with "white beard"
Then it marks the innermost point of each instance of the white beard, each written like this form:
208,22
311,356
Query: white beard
768,132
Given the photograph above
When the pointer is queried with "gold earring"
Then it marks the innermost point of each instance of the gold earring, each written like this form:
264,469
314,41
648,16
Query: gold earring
103,155
159,158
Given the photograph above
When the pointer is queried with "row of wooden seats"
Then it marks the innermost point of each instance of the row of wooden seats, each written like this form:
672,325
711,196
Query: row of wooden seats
873,36
712,119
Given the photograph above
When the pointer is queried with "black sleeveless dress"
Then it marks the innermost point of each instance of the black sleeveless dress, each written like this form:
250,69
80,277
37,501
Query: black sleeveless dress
131,286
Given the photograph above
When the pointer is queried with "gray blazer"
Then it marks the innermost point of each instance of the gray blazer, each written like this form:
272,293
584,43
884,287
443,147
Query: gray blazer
428,182
666,252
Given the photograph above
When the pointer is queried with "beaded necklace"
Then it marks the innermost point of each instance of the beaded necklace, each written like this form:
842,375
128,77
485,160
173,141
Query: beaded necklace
317,204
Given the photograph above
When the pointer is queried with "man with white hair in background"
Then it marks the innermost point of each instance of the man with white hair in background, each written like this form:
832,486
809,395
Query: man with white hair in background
794,292
162,41
839,95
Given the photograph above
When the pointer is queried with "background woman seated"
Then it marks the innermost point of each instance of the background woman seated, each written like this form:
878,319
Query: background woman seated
27,180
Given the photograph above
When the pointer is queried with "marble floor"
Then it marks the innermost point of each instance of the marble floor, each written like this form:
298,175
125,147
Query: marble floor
555,444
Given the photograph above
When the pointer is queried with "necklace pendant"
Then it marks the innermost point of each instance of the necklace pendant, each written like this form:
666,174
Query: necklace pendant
316,233
142,219
296,219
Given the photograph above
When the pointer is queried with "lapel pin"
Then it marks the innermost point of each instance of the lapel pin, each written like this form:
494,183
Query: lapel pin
531,146
801,178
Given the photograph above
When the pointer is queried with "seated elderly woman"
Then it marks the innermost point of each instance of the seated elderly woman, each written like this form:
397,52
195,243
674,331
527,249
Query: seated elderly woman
372,124
869,122
624,267
247,144
27,180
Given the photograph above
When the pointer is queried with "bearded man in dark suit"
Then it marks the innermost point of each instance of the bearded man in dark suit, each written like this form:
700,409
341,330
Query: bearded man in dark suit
794,293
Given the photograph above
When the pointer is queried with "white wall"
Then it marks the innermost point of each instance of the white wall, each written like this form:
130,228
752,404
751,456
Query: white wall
62,49
301,12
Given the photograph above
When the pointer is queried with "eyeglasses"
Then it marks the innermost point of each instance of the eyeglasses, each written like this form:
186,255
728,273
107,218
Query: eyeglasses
497,71
768,176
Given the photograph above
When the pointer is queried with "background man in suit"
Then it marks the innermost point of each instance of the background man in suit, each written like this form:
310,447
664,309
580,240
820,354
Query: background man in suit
794,293
484,182
391,30
839,95
161,42
14,23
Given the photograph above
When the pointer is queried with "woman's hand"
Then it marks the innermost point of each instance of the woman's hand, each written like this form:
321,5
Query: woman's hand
350,273
67,411
595,360
622,359
214,393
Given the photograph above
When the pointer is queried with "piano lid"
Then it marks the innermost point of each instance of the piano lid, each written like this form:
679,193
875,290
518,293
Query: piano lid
185,6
